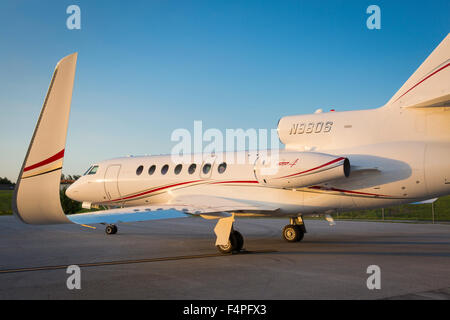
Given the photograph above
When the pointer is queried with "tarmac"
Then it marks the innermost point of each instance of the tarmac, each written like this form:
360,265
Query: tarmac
177,259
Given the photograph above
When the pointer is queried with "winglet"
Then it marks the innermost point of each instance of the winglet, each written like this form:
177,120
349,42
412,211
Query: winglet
36,197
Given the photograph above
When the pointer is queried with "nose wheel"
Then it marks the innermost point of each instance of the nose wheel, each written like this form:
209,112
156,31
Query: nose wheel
235,243
111,229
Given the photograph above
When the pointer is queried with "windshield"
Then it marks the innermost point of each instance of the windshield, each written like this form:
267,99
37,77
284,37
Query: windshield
91,170
87,171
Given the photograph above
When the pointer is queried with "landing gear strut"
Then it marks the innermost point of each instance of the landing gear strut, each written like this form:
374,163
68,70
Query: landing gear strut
111,229
235,243
294,231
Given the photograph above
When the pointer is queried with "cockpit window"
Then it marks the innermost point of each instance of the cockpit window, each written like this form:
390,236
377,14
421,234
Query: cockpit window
87,171
93,170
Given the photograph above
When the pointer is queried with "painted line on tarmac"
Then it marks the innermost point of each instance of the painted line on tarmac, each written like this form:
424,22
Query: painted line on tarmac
119,262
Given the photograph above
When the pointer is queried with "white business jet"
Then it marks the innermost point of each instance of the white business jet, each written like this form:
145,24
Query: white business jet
333,161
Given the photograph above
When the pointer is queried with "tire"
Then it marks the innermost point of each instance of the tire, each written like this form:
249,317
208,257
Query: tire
232,244
111,229
240,240
301,234
292,233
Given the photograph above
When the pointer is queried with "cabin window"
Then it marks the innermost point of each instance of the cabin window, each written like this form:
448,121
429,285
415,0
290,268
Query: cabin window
206,168
178,169
93,170
222,167
164,169
151,170
139,170
192,168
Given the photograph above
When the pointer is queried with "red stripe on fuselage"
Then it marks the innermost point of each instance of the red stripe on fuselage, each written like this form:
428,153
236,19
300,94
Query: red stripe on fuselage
175,185
154,190
53,158
242,181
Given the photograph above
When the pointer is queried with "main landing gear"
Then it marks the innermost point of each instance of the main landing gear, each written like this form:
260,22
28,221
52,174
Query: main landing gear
235,243
111,229
294,231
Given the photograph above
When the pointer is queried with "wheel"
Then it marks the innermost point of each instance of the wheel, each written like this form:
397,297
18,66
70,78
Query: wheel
235,243
111,229
292,233
240,240
301,234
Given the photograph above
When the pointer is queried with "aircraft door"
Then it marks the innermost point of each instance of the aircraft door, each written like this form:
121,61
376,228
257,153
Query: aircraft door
111,183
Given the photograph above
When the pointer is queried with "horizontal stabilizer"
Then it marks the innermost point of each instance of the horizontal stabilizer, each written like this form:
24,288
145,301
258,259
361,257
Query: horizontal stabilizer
439,102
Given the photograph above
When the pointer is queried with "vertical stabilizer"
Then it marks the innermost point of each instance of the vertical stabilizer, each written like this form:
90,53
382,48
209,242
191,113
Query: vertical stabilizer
429,86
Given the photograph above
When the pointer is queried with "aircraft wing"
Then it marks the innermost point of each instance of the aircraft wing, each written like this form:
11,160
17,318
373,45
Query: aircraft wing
426,201
207,204
208,207
130,214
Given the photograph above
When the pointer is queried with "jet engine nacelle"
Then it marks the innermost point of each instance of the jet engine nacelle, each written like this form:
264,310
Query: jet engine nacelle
300,169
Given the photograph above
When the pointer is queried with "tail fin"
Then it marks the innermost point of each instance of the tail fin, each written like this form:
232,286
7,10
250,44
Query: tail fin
429,86
36,197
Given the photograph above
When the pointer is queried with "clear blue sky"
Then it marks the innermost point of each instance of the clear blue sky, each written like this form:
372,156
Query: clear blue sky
148,67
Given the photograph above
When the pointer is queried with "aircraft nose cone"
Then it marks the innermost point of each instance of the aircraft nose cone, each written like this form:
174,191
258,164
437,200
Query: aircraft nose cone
71,192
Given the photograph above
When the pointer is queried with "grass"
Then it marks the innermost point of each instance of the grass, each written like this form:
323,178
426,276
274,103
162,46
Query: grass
5,201
416,212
